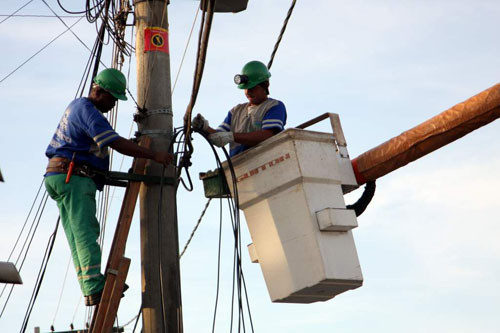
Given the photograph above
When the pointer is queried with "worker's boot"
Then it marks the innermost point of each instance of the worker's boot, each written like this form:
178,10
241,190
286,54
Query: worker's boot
94,299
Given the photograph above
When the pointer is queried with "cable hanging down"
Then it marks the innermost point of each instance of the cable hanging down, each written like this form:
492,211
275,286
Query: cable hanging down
195,228
239,292
285,23
206,25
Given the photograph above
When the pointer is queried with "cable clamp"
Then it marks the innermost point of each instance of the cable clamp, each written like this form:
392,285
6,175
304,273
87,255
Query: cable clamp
140,115
139,1
112,271
154,133
158,111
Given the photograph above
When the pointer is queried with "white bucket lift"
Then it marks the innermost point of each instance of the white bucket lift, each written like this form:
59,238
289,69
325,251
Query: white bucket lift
291,190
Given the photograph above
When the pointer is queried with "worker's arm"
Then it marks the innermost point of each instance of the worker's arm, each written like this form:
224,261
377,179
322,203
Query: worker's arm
222,138
129,148
210,130
253,138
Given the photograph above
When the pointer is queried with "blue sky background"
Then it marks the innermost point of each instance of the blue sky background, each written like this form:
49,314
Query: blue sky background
428,243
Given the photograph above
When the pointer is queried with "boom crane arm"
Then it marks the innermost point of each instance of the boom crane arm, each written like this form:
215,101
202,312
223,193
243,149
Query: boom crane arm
431,135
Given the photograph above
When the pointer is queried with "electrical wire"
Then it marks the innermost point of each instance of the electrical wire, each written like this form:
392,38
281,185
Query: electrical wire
130,321
44,263
217,289
43,48
41,274
185,51
27,242
32,231
160,259
25,222
206,25
285,23
74,313
137,318
239,291
62,291
9,16
62,21
39,213
195,228
39,16
71,12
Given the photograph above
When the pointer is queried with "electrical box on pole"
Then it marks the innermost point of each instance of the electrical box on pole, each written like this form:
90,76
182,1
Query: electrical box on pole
227,6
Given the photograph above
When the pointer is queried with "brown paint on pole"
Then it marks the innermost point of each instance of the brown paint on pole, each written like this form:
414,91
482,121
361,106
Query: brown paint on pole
431,135
161,294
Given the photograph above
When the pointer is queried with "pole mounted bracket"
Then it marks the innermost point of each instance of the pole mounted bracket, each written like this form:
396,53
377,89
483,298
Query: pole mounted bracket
143,113
154,133
138,1
121,179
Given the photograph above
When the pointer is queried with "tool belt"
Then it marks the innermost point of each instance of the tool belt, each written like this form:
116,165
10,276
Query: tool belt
61,165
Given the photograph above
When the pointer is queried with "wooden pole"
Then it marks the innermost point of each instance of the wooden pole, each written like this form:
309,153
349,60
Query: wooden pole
161,294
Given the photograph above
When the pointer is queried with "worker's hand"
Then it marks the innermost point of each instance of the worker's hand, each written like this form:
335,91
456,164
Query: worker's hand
199,123
163,157
220,139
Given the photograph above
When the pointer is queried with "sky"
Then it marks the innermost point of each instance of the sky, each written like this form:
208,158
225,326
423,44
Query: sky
427,244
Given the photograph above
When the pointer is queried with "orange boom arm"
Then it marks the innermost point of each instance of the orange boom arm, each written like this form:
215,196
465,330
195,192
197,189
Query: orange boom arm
432,134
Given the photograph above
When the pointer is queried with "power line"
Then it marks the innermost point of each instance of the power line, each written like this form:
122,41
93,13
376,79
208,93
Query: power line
60,19
38,16
185,49
9,16
195,228
239,292
43,48
41,274
62,291
205,27
281,34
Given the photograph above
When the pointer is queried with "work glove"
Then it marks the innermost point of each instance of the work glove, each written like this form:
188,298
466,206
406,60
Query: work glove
199,123
220,139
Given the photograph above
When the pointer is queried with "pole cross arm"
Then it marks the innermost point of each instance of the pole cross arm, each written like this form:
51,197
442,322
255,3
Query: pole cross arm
115,178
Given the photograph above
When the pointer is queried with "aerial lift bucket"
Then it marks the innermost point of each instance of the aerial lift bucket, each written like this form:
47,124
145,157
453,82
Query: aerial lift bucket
291,189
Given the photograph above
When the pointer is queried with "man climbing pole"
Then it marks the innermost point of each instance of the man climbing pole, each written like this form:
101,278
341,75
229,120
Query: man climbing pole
78,153
248,124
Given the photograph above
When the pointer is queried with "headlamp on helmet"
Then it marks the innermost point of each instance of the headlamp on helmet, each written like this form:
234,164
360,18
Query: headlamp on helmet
240,79
252,74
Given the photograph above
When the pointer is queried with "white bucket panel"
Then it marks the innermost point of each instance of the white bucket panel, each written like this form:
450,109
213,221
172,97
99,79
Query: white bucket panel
282,184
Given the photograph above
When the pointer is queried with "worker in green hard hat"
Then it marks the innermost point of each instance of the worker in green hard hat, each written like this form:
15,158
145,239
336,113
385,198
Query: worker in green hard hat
249,123
78,153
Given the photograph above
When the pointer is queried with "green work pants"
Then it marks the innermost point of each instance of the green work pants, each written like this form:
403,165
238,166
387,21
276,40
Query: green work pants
77,207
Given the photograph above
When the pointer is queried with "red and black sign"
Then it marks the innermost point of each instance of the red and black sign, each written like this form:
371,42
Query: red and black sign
156,39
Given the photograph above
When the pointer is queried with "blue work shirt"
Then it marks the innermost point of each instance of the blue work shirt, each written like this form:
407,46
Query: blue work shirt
246,118
85,131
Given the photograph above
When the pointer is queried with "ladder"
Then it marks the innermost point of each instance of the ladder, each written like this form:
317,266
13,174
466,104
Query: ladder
118,265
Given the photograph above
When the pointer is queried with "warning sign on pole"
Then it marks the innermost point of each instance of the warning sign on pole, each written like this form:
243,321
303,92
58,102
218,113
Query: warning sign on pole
156,39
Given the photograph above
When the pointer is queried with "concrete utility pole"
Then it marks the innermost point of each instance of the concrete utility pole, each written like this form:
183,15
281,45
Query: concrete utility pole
162,312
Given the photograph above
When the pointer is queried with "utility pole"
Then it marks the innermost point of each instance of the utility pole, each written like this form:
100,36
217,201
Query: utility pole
161,293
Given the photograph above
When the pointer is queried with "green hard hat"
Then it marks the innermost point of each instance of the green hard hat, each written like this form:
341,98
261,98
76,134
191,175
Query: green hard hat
251,75
113,81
